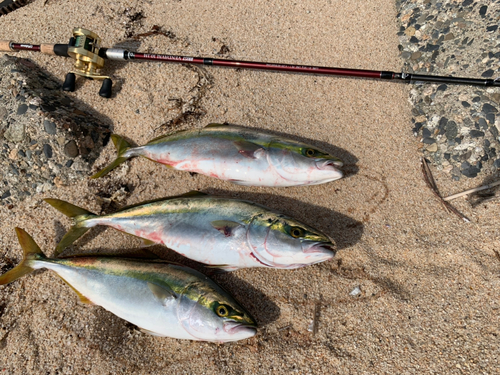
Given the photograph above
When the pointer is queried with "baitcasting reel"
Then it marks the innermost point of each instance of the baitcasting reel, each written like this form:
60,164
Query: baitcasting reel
84,48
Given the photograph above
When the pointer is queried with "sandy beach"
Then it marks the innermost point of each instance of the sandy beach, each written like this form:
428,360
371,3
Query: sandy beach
429,283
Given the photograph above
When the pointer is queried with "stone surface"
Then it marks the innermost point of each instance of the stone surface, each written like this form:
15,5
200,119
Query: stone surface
451,38
44,134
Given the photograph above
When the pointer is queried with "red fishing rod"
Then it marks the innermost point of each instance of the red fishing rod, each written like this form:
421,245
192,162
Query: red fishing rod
84,47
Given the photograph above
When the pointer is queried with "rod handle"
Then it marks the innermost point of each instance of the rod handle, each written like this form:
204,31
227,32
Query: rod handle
54,49
5,46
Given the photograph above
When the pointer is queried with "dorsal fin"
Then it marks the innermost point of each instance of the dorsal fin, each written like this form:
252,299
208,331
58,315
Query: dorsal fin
189,194
139,254
215,125
165,136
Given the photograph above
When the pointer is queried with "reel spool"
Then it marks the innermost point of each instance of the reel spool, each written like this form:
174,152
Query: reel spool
84,48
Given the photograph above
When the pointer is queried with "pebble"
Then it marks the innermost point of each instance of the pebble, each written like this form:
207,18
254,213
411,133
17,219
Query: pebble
356,291
49,127
15,132
21,110
71,149
47,151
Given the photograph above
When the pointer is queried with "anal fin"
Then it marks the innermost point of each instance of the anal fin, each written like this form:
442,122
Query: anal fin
221,268
82,298
152,333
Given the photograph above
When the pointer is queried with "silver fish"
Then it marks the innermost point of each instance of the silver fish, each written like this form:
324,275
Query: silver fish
220,232
237,154
161,298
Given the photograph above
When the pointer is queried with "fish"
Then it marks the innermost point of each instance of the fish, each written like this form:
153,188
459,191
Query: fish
237,154
224,233
161,298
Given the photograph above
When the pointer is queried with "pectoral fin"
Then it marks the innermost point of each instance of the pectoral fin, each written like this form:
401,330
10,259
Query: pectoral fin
248,149
226,227
162,293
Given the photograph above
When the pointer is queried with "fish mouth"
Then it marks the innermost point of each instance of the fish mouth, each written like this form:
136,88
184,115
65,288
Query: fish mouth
329,164
326,249
246,330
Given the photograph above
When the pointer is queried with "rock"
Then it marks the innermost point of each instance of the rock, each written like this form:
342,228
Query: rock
49,129
16,132
71,149
476,133
488,108
47,151
432,148
449,39
428,141
21,110
451,130
488,73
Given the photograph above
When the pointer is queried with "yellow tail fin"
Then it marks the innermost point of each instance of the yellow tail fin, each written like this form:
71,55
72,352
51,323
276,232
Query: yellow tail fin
121,147
76,231
31,252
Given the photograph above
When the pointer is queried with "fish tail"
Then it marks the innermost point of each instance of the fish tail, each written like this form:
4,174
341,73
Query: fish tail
31,252
122,146
81,217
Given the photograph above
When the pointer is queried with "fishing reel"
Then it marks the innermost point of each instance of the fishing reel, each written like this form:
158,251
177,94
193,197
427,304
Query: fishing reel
84,47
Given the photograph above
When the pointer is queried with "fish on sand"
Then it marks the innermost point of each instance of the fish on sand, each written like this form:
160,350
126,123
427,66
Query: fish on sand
161,298
241,155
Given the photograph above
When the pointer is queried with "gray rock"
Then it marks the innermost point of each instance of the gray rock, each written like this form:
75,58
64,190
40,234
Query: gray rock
21,110
57,127
451,130
47,151
49,127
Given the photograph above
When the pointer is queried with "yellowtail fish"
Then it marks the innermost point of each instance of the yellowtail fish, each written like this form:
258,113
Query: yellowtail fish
162,299
237,154
221,232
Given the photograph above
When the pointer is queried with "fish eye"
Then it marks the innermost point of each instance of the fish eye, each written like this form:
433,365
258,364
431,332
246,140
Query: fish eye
222,311
296,232
310,152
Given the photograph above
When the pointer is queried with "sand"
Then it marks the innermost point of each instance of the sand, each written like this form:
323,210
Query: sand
429,283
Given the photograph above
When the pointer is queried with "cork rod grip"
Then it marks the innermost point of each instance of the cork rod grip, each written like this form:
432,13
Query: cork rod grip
47,49
5,46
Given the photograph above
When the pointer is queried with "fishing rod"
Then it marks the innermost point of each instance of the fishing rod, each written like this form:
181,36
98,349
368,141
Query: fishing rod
84,46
